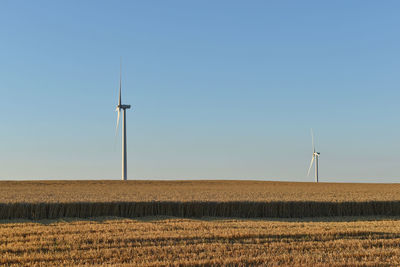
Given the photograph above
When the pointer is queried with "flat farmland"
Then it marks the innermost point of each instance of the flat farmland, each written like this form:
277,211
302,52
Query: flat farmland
189,191
195,199
196,223
159,241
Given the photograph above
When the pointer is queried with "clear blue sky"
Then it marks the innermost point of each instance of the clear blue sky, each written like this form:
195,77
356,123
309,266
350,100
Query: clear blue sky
219,89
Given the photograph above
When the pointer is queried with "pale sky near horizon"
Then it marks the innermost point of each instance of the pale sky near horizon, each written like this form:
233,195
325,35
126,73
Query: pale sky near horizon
219,89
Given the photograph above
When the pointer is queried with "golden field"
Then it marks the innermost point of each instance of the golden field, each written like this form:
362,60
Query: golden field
195,199
187,242
189,191
51,237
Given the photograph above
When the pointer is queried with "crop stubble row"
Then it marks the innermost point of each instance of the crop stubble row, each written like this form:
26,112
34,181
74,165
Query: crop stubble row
188,242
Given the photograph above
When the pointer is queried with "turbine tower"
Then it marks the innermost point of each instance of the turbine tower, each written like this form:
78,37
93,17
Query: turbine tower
315,156
122,107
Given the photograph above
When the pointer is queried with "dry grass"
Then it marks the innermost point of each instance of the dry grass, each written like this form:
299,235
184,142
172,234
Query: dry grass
189,191
184,242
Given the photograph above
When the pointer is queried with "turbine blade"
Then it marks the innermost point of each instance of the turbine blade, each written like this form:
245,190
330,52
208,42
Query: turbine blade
116,130
309,169
120,84
312,140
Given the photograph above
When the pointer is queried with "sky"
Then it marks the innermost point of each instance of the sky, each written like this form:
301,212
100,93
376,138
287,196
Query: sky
219,89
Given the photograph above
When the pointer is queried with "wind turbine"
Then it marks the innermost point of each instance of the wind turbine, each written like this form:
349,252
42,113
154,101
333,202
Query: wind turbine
315,156
123,107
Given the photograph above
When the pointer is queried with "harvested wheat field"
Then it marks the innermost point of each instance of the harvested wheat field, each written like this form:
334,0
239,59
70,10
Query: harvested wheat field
187,242
187,191
195,199
132,238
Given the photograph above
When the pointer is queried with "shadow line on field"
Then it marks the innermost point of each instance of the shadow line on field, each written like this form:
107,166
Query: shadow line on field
206,211
152,219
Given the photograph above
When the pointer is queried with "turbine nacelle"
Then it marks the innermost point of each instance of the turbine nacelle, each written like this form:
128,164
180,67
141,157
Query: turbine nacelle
123,107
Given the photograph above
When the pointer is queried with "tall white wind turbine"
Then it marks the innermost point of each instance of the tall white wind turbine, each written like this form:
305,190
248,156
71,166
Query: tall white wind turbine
122,107
315,157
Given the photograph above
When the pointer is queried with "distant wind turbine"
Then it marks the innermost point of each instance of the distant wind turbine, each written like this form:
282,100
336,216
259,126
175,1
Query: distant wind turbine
315,156
120,107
